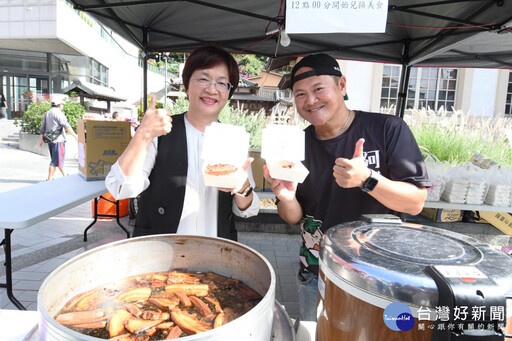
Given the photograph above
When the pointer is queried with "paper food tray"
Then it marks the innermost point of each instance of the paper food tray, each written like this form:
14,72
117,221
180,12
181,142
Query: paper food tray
231,180
297,173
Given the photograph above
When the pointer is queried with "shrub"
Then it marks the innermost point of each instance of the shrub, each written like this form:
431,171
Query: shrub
140,112
179,105
253,123
73,111
32,118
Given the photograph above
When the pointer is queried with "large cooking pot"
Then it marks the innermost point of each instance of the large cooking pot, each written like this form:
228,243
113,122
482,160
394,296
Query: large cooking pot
112,262
376,281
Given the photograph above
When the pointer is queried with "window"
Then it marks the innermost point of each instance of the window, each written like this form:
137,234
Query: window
508,103
390,81
428,87
98,73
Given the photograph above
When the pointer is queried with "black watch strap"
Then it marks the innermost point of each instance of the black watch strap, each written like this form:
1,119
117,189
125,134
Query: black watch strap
370,183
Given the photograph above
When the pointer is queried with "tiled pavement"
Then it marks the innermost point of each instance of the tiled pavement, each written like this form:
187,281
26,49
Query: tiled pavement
41,248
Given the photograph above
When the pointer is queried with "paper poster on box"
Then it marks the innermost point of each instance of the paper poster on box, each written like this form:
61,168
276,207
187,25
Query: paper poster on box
100,143
283,148
225,149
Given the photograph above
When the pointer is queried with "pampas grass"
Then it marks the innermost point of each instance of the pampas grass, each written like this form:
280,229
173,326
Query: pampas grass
455,136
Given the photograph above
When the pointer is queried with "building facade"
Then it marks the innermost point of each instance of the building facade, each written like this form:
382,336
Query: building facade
46,44
480,92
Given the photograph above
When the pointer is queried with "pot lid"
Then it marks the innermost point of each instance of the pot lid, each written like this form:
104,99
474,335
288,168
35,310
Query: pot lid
389,260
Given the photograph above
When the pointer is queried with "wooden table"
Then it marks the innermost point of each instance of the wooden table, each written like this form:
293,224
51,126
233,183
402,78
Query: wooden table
26,206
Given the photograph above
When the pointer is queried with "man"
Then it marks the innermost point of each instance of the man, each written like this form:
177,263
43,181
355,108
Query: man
359,163
54,119
3,106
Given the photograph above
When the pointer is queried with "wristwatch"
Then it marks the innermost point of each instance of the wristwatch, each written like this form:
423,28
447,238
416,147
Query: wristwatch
370,183
246,192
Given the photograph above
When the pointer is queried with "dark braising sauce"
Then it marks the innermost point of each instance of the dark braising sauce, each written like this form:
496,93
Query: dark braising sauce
157,306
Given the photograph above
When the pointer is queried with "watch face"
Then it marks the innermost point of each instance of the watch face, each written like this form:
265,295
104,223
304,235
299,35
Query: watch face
370,183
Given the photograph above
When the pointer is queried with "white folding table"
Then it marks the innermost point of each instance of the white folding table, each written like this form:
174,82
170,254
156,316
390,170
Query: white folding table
26,206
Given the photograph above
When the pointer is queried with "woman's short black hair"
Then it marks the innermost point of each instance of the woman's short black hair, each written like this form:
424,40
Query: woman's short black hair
209,56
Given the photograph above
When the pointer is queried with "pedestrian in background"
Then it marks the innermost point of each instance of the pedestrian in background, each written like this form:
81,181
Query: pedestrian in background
54,119
116,116
3,106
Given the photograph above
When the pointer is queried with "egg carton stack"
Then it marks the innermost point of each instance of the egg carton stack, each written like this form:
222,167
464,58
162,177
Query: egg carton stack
499,195
467,184
500,189
477,191
437,188
456,191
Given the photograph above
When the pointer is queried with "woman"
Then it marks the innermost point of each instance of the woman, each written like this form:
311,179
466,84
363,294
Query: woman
163,160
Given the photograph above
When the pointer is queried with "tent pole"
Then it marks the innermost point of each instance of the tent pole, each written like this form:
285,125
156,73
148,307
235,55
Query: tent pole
145,67
404,81
402,93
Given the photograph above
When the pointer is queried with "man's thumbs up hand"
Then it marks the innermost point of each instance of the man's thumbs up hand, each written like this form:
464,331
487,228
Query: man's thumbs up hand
358,151
350,173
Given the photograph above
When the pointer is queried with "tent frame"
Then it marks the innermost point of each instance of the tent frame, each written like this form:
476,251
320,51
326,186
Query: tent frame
463,29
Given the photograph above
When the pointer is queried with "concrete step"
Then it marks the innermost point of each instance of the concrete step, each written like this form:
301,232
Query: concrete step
11,138
9,131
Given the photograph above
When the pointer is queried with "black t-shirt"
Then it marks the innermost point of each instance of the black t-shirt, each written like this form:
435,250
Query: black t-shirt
2,101
389,148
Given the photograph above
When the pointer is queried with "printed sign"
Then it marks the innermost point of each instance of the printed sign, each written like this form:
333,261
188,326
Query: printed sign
324,16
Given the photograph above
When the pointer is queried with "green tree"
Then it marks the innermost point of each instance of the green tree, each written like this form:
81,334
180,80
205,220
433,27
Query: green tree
250,64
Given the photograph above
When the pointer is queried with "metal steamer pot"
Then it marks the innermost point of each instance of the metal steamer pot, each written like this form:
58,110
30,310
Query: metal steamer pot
140,255
369,269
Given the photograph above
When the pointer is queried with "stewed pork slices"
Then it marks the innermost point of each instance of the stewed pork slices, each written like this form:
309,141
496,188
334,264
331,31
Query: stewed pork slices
158,306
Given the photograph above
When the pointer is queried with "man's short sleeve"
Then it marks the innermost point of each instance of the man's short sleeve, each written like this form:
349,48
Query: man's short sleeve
63,121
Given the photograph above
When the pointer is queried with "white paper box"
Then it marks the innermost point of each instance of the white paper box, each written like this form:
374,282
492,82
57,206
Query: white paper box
284,144
225,144
297,173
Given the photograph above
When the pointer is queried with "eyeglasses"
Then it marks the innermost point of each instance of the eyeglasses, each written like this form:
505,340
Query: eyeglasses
204,82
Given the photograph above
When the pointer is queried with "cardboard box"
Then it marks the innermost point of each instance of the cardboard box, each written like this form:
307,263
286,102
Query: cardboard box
501,220
442,215
100,143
